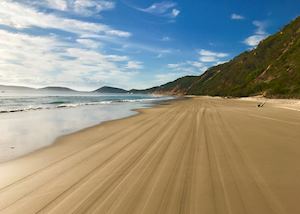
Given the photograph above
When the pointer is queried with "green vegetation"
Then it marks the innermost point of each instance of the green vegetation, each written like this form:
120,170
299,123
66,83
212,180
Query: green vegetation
108,89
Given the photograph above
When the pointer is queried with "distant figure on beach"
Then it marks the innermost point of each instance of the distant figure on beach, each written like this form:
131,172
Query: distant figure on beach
260,105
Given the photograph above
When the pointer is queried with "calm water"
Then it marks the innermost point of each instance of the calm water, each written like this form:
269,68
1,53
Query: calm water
30,122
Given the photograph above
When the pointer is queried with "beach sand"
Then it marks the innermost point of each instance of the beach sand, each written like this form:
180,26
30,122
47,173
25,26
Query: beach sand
197,155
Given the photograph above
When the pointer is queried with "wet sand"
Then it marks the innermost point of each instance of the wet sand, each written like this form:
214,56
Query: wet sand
199,155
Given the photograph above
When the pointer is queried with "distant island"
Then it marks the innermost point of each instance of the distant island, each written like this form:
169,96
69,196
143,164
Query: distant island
57,88
108,89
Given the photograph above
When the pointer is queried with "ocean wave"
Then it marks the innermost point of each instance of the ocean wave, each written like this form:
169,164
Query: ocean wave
22,109
64,104
57,102
73,105
137,100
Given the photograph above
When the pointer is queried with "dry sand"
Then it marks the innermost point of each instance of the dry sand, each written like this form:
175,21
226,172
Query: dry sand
200,155
292,104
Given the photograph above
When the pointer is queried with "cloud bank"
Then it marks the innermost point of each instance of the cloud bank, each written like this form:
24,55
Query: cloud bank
39,48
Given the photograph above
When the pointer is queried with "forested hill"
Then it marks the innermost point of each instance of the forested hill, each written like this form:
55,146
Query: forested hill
272,69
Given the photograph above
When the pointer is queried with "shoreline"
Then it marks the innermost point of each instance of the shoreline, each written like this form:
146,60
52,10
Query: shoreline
162,155
289,104
19,136
133,112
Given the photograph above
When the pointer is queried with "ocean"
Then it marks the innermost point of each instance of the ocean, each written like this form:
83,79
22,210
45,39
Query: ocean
17,103
30,122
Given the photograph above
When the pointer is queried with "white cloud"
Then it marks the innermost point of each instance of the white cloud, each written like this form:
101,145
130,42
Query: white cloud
159,8
208,59
204,52
47,60
117,33
235,16
117,58
56,4
164,9
211,56
90,7
254,40
89,43
79,7
19,16
175,12
134,65
259,34
77,57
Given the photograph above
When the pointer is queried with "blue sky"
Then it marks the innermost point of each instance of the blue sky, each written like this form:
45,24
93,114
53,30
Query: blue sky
85,44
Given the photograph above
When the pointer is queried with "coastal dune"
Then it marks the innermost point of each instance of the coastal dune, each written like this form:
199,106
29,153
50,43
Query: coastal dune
196,155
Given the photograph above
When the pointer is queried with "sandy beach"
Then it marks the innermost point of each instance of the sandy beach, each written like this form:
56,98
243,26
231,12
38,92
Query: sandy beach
196,155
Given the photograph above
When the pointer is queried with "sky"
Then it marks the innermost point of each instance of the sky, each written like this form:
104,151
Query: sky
86,44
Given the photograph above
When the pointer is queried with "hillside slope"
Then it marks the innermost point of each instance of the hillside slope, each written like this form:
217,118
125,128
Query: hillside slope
179,86
108,89
57,89
272,69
